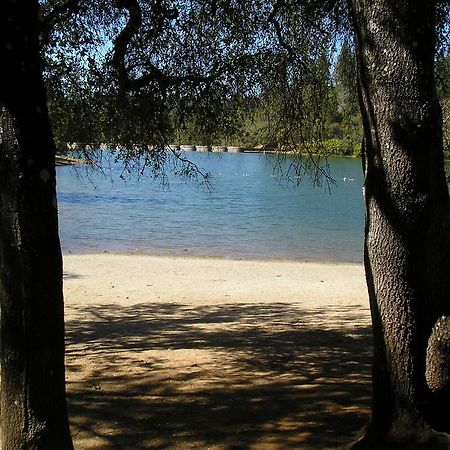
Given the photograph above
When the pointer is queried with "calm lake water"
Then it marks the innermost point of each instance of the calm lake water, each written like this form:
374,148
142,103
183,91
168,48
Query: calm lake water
249,213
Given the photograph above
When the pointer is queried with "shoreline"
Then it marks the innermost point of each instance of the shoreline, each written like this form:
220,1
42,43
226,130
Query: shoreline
139,253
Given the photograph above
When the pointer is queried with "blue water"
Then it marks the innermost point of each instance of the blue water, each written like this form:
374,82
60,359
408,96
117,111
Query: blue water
250,212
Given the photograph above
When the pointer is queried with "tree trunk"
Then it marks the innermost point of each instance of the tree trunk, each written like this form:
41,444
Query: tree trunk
33,406
407,235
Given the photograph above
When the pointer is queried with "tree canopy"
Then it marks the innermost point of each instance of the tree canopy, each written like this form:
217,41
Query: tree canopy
140,73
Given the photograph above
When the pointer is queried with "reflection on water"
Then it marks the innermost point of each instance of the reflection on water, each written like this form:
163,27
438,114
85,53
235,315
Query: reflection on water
249,213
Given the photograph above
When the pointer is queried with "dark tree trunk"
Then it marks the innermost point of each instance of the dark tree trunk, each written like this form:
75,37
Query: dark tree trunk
33,406
407,251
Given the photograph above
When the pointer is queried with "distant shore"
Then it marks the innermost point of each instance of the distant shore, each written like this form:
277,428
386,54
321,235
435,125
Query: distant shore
61,160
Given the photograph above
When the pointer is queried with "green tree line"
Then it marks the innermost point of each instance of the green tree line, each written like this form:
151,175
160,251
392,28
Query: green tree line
249,121
342,131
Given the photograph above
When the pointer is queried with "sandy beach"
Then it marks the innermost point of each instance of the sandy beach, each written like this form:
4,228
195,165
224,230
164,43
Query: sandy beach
180,352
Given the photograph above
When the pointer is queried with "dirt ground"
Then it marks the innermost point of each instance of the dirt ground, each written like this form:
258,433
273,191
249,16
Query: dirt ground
181,353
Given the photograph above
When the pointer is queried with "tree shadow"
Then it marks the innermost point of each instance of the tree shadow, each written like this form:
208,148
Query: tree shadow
229,376
70,276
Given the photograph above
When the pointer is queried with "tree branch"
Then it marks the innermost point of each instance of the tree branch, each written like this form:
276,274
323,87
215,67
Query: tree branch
55,16
289,50
121,44
123,39
272,19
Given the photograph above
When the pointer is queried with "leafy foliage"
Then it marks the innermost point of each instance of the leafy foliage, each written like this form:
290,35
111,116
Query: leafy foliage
142,74
145,73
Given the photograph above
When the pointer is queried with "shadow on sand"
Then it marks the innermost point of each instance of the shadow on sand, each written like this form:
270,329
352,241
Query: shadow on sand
224,377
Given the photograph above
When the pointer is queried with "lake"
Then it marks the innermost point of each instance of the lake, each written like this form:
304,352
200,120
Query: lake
249,212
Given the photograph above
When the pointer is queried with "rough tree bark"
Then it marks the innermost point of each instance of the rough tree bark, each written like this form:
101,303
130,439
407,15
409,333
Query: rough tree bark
33,406
407,235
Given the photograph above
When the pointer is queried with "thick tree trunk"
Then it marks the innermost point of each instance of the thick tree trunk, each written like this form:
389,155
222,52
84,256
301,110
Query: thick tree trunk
33,407
407,245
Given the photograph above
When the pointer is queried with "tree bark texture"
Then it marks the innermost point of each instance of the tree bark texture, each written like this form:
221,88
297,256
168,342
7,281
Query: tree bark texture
407,251
33,405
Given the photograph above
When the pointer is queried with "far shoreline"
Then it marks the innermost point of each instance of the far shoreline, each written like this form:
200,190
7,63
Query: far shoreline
220,257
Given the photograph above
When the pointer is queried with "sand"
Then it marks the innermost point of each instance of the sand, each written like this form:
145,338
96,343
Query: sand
204,353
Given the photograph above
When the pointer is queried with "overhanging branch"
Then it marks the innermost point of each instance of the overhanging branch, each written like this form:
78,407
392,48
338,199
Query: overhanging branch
57,15
280,4
154,74
272,19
